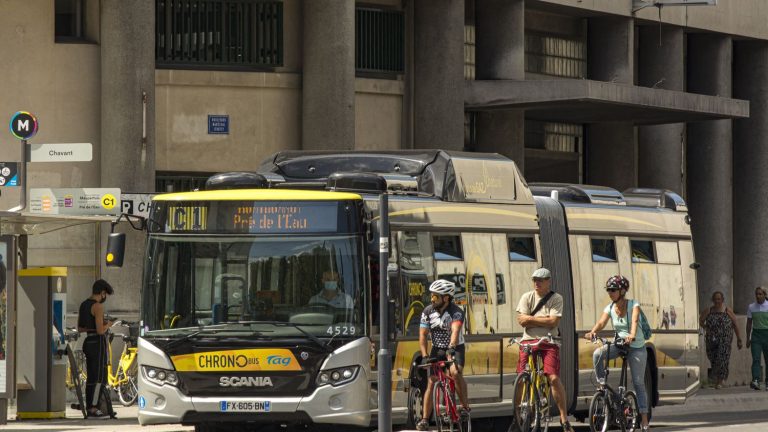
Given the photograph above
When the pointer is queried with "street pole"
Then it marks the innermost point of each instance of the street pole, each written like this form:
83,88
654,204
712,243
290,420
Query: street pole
385,359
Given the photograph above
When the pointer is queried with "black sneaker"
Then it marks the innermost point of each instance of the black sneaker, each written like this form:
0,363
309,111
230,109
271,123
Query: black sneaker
566,426
755,385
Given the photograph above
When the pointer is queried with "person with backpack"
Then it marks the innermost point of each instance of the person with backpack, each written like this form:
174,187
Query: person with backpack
539,312
630,324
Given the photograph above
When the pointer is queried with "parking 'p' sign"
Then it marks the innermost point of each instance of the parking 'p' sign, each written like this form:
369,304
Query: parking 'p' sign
23,125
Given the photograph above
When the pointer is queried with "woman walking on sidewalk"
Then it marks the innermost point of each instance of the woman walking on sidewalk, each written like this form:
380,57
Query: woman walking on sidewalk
719,323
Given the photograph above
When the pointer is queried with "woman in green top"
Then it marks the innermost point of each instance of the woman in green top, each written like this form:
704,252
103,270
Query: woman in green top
624,315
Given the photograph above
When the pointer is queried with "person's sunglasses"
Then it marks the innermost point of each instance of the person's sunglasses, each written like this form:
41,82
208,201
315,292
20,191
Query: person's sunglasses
611,289
538,280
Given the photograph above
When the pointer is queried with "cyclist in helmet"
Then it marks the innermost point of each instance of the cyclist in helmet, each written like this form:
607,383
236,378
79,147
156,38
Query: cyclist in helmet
624,315
444,321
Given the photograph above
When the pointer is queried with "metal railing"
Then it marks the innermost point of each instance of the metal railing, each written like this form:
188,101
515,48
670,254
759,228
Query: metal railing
222,34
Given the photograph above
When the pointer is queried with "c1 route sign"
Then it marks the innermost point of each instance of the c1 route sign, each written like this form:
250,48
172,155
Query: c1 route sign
69,152
23,125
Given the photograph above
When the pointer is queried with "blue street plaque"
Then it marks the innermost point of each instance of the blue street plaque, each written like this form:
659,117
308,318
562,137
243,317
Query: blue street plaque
218,124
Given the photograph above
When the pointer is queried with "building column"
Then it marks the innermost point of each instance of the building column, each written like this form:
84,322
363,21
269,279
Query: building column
750,157
127,160
710,169
500,55
611,155
439,74
128,72
611,150
660,148
328,75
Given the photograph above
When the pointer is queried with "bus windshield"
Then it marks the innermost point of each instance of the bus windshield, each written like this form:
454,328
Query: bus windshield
315,283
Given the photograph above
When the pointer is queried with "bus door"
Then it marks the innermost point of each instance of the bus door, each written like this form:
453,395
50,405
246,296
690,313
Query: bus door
485,299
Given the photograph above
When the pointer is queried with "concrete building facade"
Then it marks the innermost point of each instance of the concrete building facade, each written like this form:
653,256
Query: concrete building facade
592,91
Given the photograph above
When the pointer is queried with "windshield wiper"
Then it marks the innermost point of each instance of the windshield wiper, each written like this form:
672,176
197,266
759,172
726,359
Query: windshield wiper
309,336
210,331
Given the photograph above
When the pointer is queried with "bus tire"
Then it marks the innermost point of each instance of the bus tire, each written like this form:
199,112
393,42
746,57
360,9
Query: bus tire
415,405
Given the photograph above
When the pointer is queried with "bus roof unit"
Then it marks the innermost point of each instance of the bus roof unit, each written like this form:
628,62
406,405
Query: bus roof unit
590,194
446,175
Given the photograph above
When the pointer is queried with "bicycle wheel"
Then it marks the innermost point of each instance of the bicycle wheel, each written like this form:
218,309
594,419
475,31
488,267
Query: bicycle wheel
128,391
523,398
599,413
543,405
78,385
442,407
631,421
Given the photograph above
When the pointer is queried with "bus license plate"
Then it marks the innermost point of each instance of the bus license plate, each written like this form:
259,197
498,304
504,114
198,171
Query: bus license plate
262,406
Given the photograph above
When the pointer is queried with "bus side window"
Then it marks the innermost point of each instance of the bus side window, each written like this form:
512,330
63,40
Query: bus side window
417,271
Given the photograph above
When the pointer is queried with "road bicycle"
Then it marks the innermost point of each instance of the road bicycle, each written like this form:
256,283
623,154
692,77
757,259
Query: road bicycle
447,416
124,377
611,406
532,392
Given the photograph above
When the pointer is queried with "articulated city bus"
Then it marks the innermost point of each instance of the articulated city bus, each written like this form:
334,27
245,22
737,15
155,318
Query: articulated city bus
260,292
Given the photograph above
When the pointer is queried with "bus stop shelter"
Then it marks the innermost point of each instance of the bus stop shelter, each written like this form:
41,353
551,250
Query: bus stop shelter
12,227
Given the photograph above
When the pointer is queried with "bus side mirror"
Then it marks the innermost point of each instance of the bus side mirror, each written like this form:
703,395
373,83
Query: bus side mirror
115,249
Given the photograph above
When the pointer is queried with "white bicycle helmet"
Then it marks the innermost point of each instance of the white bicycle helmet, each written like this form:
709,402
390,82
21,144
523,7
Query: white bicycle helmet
443,287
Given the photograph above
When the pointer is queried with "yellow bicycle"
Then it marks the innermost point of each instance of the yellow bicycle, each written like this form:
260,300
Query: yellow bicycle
532,392
124,378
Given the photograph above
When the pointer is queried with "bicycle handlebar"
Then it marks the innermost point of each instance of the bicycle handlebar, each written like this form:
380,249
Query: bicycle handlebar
618,341
548,338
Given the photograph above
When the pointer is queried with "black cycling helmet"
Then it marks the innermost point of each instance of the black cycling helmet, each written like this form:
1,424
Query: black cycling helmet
617,282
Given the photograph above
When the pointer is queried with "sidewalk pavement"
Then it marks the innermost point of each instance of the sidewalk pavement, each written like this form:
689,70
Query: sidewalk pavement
127,420
729,398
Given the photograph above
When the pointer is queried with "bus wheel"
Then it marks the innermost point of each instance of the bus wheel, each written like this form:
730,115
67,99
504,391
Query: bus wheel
415,406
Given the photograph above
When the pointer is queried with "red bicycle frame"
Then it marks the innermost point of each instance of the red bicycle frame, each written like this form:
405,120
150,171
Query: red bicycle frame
446,392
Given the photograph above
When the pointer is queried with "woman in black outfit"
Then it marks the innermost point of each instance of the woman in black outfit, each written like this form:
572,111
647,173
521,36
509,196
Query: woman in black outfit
90,319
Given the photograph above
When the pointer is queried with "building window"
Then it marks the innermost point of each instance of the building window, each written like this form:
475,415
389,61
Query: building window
642,251
379,40
69,20
521,249
469,40
555,56
447,247
219,34
180,182
553,152
603,250
550,136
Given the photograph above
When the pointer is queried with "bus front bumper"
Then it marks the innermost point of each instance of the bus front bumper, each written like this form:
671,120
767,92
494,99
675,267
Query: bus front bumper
346,404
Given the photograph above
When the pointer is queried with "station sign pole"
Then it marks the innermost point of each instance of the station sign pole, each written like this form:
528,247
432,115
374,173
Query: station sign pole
23,126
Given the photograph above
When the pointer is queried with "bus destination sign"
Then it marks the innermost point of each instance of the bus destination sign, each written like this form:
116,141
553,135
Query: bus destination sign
263,217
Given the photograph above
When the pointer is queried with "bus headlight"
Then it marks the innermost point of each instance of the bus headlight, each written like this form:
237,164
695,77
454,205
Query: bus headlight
337,376
160,376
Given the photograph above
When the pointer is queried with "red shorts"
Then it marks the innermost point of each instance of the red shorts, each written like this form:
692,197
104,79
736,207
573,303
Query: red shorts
549,353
